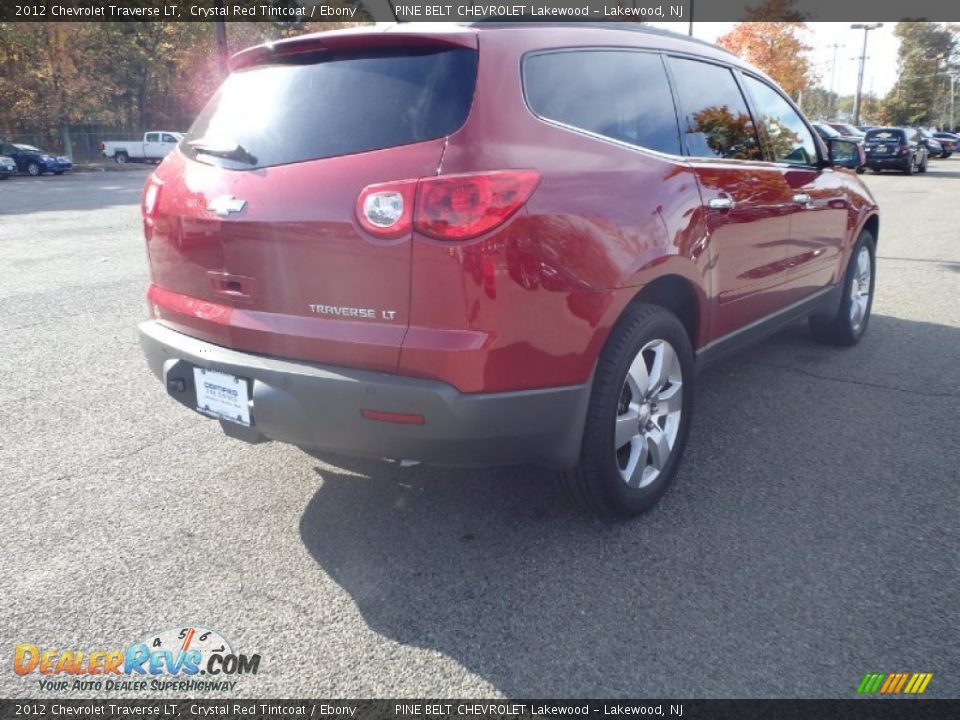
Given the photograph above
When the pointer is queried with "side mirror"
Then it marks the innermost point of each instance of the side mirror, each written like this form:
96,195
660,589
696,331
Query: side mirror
845,153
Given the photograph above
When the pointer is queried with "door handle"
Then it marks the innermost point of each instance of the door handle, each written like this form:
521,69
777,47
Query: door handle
721,203
801,198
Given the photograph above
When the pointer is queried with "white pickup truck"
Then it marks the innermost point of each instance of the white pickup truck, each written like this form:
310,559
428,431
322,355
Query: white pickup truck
154,147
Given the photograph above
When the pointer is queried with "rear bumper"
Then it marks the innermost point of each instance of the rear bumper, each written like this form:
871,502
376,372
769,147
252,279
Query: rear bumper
882,163
319,407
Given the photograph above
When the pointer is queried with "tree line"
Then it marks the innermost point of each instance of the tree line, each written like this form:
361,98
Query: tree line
60,80
929,55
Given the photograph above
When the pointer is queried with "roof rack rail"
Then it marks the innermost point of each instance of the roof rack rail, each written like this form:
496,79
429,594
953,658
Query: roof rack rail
625,26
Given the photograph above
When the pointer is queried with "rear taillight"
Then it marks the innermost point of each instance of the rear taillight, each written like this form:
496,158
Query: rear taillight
458,207
904,149
446,207
151,197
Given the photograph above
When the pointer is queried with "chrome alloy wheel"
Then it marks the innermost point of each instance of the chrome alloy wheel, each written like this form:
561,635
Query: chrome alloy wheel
860,290
648,414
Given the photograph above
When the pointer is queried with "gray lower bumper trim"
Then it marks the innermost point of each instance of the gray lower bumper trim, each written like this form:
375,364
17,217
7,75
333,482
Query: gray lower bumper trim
319,407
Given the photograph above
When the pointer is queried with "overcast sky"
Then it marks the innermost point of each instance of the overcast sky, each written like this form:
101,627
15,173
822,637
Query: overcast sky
881,68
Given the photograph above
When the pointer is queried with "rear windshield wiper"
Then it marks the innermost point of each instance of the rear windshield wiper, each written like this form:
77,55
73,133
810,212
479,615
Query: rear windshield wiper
237,152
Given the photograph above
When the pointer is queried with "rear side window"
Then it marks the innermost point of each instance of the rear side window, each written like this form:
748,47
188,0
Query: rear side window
152,137
715,121
790,139
621,95
319,106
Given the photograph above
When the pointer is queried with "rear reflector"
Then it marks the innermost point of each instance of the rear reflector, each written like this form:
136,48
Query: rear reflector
445,207
402,418
151,197
386,209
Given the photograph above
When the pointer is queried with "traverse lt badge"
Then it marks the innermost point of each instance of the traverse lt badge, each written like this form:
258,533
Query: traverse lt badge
226,204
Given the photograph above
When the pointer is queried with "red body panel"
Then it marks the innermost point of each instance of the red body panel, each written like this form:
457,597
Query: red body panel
531,303
295,244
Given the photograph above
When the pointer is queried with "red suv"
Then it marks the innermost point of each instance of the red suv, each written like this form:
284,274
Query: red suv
493,244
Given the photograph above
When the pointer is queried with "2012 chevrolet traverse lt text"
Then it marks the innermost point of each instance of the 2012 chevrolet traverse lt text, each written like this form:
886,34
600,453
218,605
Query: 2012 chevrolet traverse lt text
494,243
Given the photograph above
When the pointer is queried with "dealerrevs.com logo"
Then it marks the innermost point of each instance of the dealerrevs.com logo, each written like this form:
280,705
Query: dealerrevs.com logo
187,659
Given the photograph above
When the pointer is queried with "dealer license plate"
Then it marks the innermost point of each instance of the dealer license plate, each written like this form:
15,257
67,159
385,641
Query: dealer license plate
223,396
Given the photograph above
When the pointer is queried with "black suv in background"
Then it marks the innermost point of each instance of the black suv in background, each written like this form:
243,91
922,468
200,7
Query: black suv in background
893,148
934,146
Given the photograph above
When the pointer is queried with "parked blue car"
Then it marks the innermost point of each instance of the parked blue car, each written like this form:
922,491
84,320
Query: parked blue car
35,161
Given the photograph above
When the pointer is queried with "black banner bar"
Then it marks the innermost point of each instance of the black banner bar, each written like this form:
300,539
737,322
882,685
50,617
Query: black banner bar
859,709
292,11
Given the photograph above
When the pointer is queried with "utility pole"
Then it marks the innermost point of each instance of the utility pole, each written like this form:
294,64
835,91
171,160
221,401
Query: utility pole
953,125
220,33
866,27
833,76
690,26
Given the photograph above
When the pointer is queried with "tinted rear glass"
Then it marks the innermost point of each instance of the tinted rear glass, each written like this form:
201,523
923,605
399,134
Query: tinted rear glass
888,134
618,94
324,106
827,130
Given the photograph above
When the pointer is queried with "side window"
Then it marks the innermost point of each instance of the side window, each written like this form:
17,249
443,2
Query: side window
790,140
619,94
153,137
715,122
167,138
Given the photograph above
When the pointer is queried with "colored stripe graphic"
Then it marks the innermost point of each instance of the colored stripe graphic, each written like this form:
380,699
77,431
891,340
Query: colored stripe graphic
894,683
870,683
918,683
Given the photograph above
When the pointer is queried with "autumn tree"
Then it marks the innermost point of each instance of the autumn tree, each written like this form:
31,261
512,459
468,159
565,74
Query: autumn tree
775,44
62,78
927,56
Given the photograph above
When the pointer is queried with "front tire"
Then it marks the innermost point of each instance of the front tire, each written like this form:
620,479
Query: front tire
847,326
639,415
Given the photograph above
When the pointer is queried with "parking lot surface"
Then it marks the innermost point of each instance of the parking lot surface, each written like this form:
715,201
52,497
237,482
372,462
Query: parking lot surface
812,535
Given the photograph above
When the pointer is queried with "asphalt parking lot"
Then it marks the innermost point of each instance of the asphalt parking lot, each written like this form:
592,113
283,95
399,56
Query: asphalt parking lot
812,535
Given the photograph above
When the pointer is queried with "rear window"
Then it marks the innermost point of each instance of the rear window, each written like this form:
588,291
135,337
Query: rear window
319,106
887,134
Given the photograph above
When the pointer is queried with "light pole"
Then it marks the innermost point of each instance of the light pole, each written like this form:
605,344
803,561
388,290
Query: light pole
866,27
690,26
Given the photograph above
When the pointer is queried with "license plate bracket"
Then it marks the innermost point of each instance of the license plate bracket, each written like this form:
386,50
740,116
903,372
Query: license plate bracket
222,395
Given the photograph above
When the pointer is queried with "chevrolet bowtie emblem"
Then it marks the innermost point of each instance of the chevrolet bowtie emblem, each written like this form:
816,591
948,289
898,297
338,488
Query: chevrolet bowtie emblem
226,204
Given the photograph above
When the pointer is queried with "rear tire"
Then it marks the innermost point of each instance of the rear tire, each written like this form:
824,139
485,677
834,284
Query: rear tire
121,158
33,169
910,166
639,415
848,325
